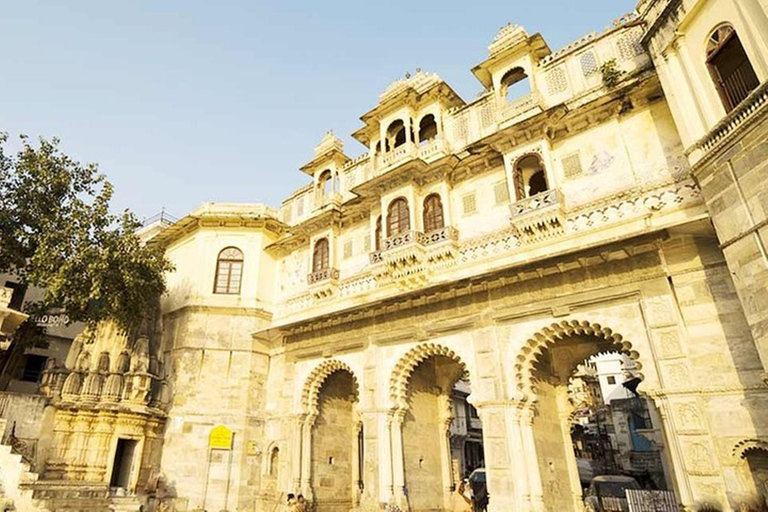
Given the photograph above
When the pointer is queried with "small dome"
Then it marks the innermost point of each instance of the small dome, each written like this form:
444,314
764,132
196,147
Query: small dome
420,81
507,36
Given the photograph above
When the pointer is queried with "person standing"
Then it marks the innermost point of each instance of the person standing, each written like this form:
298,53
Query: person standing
460,502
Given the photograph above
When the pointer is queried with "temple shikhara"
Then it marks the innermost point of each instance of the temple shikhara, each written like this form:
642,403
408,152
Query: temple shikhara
562,278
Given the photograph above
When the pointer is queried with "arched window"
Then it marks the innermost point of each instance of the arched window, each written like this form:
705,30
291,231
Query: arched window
530,177
377,234
396,134
274,461
433,213
325,182
320,255
229,271
398,219
514,84
427,128
729,67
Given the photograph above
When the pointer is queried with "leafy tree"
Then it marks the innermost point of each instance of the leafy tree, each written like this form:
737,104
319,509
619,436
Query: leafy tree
57,233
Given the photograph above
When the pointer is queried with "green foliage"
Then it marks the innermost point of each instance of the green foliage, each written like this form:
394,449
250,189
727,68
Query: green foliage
56,233
611,73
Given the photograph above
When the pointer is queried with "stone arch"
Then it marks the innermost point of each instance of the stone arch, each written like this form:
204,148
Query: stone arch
310,396
548,336
398,387
744,447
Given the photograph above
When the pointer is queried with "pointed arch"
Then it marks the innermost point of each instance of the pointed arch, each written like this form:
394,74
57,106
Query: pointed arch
548,336
310,396
398,387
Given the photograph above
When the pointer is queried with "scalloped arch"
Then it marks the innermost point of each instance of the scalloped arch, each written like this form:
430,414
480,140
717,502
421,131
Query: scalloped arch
401,374
310,395
548,336
742,448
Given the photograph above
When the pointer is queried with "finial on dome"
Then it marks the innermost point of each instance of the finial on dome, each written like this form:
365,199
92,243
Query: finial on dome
329,142
407,74
507,36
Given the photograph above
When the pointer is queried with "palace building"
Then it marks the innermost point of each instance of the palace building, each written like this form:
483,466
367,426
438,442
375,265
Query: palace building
422,308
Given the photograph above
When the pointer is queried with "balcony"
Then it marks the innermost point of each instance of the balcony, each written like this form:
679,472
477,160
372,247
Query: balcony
323,283
332,199
528,103
410,258
538,218
428,152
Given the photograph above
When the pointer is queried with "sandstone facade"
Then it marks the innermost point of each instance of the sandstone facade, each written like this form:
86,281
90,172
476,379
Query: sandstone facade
619,205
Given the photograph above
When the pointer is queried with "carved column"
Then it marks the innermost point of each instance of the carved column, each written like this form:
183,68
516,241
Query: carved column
522,491
446,419
296,466
674,450
570,455
398,461
306,456
386,482
531,460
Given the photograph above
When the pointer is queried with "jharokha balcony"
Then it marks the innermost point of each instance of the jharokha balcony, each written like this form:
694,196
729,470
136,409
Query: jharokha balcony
539,217
427,151
411,257
323,282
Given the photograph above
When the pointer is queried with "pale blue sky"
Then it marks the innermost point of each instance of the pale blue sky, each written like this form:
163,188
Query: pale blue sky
187,101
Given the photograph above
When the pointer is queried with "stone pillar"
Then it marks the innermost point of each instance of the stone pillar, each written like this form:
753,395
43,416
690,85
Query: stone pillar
671,441
522,491
531,460
398,461
570,457
306,457
504,463
445,454
386,482
296,463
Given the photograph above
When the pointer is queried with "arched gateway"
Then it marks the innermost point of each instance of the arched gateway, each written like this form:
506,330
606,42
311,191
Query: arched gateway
423,393
545,371
330,452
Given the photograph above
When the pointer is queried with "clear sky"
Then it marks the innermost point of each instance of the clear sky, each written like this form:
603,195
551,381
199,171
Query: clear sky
187,101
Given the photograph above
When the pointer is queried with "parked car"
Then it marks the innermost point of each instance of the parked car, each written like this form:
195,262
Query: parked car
479,490
606,493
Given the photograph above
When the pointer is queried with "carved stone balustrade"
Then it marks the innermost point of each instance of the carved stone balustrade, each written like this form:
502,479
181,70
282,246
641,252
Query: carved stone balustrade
540,217
323,283
410,258
528,103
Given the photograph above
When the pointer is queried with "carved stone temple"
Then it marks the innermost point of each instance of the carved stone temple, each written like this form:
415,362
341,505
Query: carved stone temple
608,197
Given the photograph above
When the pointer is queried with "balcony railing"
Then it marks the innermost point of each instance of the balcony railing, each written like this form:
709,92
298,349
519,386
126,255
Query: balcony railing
444,234
519,106
538,217
536,202
326,274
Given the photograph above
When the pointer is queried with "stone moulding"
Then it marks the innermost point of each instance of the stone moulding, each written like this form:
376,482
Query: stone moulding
401,374
754,106
310,395
742,448
548,336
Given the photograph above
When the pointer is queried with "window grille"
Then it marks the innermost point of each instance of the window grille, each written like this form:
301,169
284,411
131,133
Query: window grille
588,62
557,81
469,203
501,192
572,166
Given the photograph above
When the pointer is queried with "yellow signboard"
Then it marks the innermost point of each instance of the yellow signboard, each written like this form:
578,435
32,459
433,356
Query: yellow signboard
220,438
